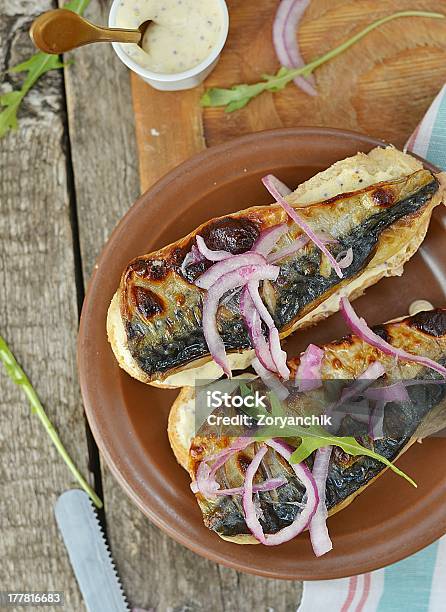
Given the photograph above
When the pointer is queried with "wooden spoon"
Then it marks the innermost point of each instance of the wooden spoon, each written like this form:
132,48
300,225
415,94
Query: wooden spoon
61,30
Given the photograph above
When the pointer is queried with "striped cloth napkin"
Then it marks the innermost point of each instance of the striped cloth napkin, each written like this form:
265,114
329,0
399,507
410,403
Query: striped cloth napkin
418,583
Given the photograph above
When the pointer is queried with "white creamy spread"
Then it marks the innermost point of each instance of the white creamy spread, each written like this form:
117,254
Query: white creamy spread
186,422
182,33
419,306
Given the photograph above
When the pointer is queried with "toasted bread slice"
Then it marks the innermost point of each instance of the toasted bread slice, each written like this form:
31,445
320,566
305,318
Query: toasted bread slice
422,333
396,245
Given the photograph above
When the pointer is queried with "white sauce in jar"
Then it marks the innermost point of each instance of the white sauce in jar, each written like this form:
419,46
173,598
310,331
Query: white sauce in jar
182,35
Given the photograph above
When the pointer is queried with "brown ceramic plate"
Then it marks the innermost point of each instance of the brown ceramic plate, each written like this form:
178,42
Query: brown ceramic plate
390,520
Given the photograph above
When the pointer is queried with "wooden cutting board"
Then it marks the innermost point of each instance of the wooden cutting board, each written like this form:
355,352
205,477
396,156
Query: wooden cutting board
382,86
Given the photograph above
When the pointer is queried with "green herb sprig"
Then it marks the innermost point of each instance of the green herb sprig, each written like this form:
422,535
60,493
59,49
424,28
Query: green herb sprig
238,96
317,437
18,376
314,437
36,66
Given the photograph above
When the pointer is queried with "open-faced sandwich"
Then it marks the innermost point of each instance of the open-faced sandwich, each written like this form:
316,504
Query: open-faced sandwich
268,490
237,285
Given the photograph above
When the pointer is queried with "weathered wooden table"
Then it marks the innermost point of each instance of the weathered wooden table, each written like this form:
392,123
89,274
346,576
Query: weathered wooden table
67,176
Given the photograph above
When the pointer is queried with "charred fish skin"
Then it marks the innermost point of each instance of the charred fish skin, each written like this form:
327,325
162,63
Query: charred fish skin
161,307
347,475
303,284
173,337
278,508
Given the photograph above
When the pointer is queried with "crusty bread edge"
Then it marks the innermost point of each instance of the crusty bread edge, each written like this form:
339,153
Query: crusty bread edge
178,438
202,369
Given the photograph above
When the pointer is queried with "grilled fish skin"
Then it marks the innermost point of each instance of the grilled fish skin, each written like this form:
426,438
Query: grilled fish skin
422,334
161,307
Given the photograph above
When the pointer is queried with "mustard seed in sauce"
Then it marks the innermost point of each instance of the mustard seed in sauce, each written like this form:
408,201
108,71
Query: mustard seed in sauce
181,35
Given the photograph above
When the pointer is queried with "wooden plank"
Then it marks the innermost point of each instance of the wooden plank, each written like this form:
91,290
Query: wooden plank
38,317
159,573
102,140
402,63
382,86
164,143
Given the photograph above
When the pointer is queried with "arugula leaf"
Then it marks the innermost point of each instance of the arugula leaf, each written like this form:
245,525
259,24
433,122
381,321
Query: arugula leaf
36,66
314,437
77,6
247,391
311,442
310,439
234,98
18,376
238,96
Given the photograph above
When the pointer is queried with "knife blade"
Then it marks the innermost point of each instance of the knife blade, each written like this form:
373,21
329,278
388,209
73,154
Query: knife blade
89,554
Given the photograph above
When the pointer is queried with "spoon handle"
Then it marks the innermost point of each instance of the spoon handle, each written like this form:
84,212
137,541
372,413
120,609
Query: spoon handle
61,30
120,35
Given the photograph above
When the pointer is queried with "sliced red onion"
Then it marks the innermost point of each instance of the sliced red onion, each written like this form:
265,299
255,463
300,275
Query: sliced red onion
292,248
268,485
194,256
364,380
270,379
238,445
345,258
361,412
253,323
363,331
205,482
308,375
253,288
302,519
320,538
276,442
278,190
383,395
268,239
299,244
249,508
209,254
227,282
215,272
393,393
285,27
423,381
374,371
327,238
376,421
279,357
